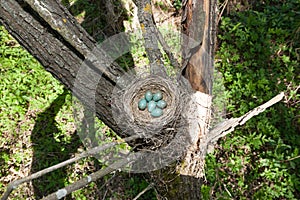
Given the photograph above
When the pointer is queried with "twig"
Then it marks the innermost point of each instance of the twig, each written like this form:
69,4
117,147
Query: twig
227,190
167,49
13,185
290,159
144,190
221,13
295,91
61,193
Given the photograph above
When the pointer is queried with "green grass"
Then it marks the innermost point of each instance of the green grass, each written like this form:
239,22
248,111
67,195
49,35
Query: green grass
258,57
37,128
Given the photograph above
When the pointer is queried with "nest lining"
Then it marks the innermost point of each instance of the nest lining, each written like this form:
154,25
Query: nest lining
135,121
163,139
137,91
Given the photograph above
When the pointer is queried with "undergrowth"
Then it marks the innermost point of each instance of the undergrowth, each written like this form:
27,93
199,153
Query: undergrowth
258,55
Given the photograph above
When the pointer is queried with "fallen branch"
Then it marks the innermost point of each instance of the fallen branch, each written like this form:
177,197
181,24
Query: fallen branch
13,185
61,193
219,131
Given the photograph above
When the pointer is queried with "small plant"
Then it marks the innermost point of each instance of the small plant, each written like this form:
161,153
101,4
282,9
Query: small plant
177,4
258,59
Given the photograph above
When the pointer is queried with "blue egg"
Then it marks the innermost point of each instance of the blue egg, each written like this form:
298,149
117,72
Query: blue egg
157,112
157,96
151,106
148,95
142,104
161,104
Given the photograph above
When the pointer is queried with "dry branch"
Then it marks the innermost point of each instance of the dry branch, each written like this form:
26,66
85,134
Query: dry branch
63,28
167,49
228,126
144,190
194,160
91,178
13,185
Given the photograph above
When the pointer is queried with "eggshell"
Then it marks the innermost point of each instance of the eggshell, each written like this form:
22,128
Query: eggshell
157,112
142,104
148,95
151,106
161,104
157,96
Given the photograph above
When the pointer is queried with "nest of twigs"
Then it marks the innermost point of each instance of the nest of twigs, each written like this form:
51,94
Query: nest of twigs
131,119
137,91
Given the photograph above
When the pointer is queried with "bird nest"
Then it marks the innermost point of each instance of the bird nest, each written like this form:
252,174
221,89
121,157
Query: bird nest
131,119
164,139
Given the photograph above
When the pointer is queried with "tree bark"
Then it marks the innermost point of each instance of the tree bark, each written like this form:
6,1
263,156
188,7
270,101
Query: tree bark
199,24
58,55
50,43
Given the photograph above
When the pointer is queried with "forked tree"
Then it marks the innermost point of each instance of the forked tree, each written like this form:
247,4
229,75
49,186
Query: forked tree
179,139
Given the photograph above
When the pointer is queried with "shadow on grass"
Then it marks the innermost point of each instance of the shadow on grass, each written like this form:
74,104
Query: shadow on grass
50,148
101,19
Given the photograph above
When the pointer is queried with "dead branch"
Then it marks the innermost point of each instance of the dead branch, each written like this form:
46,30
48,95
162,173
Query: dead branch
144,190
194,160
167,49
13,185
61,193
228,126
223,6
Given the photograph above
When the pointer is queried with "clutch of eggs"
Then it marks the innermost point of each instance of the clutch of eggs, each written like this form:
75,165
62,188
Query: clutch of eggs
153,102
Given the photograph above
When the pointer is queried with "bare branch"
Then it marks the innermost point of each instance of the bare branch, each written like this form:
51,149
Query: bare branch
149,32
167,49
228,126
195,158
61,193
13,185
144,190
223,6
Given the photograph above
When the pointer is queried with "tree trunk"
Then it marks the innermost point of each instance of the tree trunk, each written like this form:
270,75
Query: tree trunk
58,56
199,24
61,45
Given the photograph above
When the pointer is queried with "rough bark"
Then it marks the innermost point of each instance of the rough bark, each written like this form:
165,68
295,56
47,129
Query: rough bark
198,22
50,43
45,29
150,35
58,55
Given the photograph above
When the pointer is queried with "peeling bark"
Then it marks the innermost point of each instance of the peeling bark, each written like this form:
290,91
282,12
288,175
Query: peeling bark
199,23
